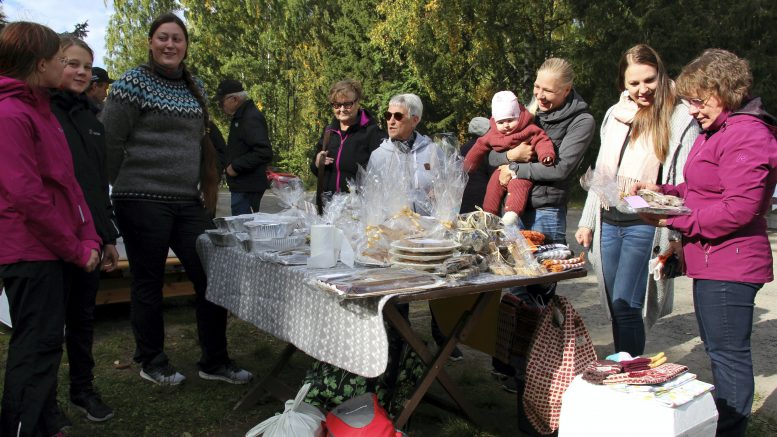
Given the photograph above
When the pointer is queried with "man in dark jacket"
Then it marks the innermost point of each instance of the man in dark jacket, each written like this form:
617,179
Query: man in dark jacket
248,147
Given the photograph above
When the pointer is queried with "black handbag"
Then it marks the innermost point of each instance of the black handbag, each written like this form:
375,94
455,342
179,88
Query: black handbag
673,267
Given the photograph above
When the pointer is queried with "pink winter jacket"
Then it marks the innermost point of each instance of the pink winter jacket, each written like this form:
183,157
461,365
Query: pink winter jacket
43,214
730,176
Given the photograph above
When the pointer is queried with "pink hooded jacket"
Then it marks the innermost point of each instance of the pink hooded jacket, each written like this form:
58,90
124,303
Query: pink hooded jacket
730,176
43,214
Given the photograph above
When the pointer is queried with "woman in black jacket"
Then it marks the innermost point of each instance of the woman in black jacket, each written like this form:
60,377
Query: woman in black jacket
348,141
86,137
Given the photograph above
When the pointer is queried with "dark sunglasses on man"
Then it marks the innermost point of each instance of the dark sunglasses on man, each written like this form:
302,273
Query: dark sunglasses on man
397,116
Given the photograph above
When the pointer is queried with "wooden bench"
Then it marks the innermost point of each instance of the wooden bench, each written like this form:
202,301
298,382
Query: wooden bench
115,286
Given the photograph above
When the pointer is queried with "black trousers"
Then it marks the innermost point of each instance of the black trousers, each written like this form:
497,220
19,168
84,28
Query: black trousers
149,229
36,296
79,327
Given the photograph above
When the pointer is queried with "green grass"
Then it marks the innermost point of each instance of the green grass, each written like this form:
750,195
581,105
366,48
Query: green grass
204,408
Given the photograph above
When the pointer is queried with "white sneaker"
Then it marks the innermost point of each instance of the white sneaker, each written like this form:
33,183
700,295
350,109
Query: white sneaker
228,373
163,376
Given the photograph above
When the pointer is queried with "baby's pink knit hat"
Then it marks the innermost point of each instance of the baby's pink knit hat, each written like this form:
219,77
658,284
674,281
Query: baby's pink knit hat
504,105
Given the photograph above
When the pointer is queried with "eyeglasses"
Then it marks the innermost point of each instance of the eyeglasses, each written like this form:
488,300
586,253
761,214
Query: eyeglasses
397,116
344,105
63,60
696,103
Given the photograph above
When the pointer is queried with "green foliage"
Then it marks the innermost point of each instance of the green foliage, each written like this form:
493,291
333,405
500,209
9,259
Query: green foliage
127,36
454,54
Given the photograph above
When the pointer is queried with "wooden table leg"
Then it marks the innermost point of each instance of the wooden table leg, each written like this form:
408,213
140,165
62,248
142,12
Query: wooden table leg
270,383
435,365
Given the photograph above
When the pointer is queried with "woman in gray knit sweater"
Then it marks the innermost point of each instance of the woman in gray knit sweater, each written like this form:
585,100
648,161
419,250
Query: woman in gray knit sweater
646,135
162,166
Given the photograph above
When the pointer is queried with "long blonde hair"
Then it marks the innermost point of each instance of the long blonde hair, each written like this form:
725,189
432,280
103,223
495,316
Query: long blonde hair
655,120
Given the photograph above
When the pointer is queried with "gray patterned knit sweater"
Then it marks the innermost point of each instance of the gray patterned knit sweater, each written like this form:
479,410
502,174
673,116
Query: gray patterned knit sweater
153,127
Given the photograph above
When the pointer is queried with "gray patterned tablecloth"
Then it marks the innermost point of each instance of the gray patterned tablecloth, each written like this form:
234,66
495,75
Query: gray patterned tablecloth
282,301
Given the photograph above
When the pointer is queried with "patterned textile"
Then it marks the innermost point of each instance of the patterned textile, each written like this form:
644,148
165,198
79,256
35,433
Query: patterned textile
515,327
561,349
658,375
598,370
283,302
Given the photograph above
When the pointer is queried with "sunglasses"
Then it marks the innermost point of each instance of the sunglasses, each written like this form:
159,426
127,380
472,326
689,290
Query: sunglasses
344,105
397,116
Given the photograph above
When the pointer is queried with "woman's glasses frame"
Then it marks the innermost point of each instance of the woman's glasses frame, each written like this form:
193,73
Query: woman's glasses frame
696,102
344,105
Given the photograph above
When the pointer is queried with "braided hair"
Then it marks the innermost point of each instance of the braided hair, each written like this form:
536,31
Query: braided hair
209,177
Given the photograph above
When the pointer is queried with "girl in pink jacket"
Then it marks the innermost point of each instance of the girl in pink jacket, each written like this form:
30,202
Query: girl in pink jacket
44,223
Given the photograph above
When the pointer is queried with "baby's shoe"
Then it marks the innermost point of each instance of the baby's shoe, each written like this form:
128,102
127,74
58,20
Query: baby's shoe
509,218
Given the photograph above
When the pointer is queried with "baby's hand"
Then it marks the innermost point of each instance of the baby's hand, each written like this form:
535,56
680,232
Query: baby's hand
547,161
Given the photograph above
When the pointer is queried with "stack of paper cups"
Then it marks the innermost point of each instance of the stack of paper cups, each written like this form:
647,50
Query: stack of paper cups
323,246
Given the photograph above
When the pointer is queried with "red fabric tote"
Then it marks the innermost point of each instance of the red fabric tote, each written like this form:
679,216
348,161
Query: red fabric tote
561,349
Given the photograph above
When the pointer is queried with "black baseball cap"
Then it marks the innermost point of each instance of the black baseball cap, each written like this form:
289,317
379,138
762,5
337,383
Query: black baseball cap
228,86
99,75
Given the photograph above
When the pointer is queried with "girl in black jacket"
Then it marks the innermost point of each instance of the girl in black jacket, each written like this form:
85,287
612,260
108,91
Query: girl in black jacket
86,137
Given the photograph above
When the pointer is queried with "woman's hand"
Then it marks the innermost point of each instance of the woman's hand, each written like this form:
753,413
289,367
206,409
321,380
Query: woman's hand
322,159
584,236
504,175
231,171
523,152
110,258
94,259
657,220
644,185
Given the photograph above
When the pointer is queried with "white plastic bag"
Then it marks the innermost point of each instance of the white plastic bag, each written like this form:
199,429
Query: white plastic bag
297,420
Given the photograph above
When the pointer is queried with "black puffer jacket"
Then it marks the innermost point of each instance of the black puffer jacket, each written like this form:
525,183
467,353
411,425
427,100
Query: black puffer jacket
248,149
350,149
86,138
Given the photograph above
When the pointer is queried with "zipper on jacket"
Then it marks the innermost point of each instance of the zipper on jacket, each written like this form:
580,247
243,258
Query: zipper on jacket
706,257
81,212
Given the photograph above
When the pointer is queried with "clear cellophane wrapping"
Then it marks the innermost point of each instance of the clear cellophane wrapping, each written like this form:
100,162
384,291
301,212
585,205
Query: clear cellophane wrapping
291,194
448,182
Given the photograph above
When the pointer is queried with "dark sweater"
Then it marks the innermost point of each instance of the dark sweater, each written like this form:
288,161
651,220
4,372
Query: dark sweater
475,190
86,138
350,149
153,126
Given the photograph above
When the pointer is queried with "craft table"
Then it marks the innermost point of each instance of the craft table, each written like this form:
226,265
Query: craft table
285,302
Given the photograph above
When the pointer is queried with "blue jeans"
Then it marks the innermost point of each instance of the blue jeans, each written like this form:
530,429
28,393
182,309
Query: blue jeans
625,254
246,203
724,311
552,222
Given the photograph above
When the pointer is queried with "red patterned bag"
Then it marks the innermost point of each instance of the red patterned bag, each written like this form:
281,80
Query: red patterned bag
561,349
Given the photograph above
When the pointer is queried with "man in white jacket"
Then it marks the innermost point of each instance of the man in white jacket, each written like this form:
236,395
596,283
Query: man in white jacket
405,146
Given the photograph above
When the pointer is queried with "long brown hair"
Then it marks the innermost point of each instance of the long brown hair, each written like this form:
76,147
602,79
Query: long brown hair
655,120
209,178
22,46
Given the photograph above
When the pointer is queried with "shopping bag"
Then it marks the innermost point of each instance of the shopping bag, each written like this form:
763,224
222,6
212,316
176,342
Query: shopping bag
297,420
361,416
515,327
560,350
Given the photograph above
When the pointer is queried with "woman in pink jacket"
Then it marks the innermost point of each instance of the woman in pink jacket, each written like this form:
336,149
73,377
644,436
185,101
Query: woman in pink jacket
730,176
44,222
